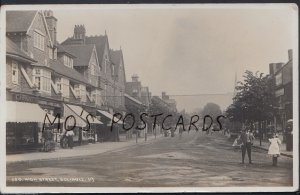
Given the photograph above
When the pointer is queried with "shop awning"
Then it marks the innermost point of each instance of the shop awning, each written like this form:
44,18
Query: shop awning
22,112
108,116
80,115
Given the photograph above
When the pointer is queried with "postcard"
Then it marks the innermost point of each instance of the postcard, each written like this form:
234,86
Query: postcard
149,98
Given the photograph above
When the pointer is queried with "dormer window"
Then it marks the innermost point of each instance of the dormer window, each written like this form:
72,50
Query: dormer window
68,61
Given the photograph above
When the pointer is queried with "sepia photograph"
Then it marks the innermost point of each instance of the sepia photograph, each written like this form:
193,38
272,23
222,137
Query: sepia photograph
162,98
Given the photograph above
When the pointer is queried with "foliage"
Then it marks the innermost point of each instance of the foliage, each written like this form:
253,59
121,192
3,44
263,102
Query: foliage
254,100
211,109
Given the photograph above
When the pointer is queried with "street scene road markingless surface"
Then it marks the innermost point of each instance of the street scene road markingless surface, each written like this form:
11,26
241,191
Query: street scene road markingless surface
195,159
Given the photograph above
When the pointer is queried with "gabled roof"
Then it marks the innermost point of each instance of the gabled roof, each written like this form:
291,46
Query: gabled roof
100,42
116,56
83,53
63,49
13,49
61,69
19,21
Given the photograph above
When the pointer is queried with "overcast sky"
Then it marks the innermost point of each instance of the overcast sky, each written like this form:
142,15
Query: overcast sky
194,50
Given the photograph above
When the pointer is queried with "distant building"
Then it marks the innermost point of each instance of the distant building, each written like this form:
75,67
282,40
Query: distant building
282,74
135,89
170,102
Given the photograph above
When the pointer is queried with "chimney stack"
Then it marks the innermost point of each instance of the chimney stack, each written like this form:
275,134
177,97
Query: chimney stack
52,24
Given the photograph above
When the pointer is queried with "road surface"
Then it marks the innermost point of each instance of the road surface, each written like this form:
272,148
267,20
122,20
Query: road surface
195,159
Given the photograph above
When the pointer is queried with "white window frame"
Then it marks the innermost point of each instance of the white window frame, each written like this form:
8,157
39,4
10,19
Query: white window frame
44,79
39,40
58,85
68,61
50,53
15,67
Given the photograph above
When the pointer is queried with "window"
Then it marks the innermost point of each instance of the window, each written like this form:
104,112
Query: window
42,79
68,61
278,79
58,84
50,52
96,96
65,87
80,91
55,54
15,72
93,69
38,40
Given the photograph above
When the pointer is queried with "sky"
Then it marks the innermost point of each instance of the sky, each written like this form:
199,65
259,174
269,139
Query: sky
190,50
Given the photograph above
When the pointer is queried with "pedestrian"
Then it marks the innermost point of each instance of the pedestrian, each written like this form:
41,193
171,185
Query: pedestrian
274,149
247,139
70,134
180,132
237,144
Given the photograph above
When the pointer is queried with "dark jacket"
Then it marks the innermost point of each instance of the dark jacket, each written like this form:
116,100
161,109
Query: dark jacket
244,137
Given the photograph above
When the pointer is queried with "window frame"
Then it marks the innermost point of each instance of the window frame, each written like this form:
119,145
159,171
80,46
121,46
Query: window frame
39,40
44,79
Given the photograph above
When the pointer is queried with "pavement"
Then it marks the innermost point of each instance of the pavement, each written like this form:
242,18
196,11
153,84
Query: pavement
265,146
193,160
92,149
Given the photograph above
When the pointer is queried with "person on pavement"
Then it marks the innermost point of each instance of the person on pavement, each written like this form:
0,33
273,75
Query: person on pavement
70,135
247,139
274,149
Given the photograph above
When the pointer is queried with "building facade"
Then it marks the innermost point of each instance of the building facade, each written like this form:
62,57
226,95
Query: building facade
282,75
65,79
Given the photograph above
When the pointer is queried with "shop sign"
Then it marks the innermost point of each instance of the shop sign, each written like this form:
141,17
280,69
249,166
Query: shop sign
24,98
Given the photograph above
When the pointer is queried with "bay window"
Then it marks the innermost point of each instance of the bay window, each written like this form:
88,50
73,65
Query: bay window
63,86
42,79
80,91
96,96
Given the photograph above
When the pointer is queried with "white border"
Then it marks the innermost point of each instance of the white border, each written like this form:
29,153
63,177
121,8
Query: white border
5,189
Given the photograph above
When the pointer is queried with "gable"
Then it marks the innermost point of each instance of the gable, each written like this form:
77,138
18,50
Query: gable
39,23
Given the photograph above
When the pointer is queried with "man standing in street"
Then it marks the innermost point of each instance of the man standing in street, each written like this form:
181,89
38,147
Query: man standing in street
247,141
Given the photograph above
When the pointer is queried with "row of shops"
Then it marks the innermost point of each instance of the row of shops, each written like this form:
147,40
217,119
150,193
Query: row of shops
26,122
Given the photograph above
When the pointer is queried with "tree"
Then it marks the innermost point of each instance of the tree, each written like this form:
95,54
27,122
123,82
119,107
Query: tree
254,101
211,109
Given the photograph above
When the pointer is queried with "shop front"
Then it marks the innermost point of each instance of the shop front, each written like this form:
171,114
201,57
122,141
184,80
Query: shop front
23,130
84,125
105,132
